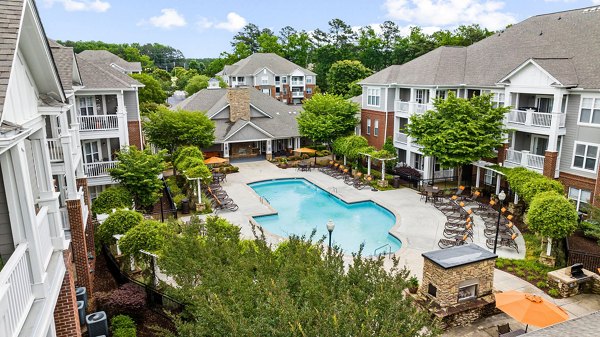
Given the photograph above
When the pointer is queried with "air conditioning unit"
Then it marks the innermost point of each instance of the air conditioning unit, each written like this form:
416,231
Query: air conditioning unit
97,324
81,294
81,312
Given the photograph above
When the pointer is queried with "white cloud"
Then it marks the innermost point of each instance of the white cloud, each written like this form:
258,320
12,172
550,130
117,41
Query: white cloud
233,23
81,5
443,13
167,20
596,2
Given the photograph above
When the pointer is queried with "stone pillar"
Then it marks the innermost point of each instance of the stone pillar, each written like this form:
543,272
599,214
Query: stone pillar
550,162
66,317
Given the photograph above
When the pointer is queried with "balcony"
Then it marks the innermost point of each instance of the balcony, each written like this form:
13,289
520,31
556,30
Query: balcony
16,297
525,159
98,122
55,149
536,122
297,83
298,94
98,169
401,138
405,109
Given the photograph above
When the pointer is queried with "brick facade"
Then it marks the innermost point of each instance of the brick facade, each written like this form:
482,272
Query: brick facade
571,180
89,230
135,136
379,140
502,153
550,164
66,317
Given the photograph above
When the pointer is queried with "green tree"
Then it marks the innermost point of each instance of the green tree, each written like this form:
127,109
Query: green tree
169,130
137,171
149,235
553,216
351,147
196,84
326,117
236,287
112,198
459,131
152,92
118,222
343,74
268,43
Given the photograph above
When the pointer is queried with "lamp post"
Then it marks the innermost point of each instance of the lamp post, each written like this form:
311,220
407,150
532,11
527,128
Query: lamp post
330,227
501,197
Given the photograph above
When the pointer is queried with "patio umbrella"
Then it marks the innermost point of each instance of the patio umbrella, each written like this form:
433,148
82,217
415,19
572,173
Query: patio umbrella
215,160
306,150
530,309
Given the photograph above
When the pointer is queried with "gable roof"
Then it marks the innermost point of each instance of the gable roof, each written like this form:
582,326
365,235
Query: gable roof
566,42
277,120
107,57
65,61
99,75
258,61
10,20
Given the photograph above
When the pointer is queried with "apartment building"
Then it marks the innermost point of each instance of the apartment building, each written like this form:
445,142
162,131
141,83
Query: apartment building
545,68
45,226
273,75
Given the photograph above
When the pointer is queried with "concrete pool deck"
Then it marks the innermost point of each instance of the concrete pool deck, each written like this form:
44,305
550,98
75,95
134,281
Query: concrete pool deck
419,226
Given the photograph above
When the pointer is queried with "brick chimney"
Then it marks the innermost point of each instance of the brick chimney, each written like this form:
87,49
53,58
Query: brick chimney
239,103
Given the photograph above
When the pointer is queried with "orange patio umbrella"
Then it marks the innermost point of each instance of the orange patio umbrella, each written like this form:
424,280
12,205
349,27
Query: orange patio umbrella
306,150
215,160
530,309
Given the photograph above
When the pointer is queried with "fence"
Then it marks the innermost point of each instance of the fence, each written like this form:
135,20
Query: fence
590,260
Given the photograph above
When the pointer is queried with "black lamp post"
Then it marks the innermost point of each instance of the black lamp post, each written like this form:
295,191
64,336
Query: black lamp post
330,227
501,197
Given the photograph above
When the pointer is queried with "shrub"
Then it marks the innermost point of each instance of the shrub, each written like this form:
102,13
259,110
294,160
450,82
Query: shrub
554,292
528,184
128,332
128,299
499,264
122,322
148,235
541,284
118,222
552,215
112,198
173,186
178,198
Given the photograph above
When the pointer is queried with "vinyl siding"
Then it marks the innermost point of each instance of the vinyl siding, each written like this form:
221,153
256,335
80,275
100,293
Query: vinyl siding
576,133
382,94
6,240
131,104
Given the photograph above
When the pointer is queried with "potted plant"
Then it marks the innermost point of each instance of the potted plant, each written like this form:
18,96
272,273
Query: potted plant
283,163
413,284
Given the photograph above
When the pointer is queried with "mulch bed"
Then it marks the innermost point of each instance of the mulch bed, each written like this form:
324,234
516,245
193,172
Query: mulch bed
579,242
103,281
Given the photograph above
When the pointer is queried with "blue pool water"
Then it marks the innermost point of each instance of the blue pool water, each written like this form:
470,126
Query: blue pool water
302,206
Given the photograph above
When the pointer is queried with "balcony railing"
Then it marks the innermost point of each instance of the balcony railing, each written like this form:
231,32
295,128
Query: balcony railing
537,119
16,294
98,169
401,138
98,122
525,159
412,107
297,94
297,83
55,149
43,227
449,173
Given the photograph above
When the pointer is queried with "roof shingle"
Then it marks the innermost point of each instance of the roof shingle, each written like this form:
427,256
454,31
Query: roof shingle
257,61
10,21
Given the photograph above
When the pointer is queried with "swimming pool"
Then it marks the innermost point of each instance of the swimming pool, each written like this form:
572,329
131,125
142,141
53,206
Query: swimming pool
303,206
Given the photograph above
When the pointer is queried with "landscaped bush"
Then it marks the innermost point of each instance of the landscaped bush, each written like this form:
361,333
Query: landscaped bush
177,199
527,184
148,235
118,222
552,215
128,299
123,326
112,198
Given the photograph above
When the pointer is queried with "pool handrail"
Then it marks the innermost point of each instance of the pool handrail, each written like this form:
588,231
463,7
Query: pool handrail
389,252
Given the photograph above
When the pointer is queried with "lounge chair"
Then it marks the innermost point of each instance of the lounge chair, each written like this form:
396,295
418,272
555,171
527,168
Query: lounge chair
507,229
503,329
504,242
447,243
452,233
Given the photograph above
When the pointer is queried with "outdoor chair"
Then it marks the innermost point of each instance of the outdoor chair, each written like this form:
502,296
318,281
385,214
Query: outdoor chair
506,229
503,328
452,233
504,242
457,225
447,243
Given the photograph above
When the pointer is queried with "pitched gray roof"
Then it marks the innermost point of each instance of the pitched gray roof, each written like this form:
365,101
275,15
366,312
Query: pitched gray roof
99,75
566,42
109,58
10,19
257,61
584,326
283,123
64,59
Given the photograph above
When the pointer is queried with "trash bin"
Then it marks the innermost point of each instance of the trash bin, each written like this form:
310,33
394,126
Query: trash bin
185,206
396,182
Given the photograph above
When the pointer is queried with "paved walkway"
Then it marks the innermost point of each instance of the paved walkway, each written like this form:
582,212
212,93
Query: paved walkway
419,226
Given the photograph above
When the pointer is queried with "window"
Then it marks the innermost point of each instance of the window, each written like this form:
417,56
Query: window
590,111
489,178
368,126
284,79
421,96
376,129
86,105
309,91
240,80
498,99
308,79
373,97
580,197
264,80
586,156
441,94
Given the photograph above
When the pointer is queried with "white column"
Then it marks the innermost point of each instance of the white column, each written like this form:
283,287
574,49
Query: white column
225,150
516,200
122,116
296,143
432,93
555,124
382,170
269,146
478,177
368,165
427,171
524,158
498,178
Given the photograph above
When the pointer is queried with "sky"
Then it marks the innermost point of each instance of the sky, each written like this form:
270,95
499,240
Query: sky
204,28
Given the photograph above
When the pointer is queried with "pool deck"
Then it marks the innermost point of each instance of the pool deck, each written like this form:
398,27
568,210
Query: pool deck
419,226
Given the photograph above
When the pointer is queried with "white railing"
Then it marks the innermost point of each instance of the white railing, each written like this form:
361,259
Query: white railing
43,227
64,217
412,107
443,174
98,122
401,137
525,159
297,94
16,294
513,156
537,119
535,161
84,207
421,108
401,106
98,169
55,149
297,83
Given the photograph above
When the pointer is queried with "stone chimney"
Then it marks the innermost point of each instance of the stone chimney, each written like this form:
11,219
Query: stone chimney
239,103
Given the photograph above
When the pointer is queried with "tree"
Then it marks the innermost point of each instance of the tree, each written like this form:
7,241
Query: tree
137,171
459,131
152,92
553,216
343,74
268,43
200,82
118,222
148,235
351,147
112,198
326,117
168,129
235,287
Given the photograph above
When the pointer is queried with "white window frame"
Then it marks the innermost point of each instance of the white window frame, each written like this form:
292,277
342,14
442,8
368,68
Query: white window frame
90,109
309,91
578,193
368,126
308,79
585,156
264,80
376,128
373,97
421,96
498,99
284,79
589,122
